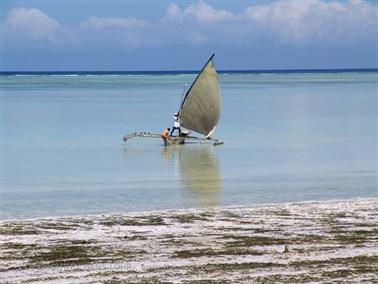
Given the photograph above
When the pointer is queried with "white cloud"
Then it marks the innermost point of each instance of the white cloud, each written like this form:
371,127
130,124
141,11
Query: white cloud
114,22
111,32
200,11
195,24
32,27
290,22
305,21
32,24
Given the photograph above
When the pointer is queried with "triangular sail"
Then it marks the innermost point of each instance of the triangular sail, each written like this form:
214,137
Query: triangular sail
201,106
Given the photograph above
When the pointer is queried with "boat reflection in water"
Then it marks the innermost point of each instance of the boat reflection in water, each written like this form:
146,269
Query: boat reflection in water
198,169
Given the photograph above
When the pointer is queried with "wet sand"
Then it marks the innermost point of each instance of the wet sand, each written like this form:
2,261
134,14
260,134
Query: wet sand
292,242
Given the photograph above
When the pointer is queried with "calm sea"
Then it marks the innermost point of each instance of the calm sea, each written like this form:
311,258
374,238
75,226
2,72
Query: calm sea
289,136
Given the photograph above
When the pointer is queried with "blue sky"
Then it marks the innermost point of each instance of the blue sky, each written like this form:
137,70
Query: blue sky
180,35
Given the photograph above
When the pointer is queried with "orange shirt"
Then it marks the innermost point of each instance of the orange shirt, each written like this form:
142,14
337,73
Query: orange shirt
165,133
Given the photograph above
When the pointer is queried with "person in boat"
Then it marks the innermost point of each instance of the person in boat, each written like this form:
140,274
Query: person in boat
176,124
165,133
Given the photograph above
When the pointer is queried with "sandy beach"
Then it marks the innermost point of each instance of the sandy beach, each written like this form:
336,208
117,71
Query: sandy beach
290,242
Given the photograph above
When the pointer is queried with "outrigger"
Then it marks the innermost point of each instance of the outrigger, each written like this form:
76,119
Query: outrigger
199,110
173,140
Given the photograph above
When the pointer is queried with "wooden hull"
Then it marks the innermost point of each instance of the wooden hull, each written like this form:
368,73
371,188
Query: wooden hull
173,141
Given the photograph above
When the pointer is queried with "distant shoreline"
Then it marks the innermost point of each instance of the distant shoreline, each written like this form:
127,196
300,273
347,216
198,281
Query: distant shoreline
174,72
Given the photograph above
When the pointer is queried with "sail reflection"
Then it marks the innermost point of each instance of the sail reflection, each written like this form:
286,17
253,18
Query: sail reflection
198,168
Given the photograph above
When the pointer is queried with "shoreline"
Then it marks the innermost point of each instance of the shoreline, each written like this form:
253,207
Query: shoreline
312,241
170,210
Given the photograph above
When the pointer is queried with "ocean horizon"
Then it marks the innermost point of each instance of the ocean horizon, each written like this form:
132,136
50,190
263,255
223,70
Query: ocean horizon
171,72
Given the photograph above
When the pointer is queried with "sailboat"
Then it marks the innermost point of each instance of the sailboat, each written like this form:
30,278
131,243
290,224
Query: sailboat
199,110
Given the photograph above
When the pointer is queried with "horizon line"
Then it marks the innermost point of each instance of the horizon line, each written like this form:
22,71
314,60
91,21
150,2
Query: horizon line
189,70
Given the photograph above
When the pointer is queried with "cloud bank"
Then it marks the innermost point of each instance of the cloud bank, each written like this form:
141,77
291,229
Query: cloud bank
273,35
291,22
306,21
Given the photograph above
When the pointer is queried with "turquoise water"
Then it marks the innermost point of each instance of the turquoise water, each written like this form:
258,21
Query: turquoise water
288,137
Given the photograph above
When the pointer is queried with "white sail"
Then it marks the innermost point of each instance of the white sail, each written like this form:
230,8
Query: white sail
201,106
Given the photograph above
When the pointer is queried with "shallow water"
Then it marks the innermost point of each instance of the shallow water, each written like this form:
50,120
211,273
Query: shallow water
288,137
